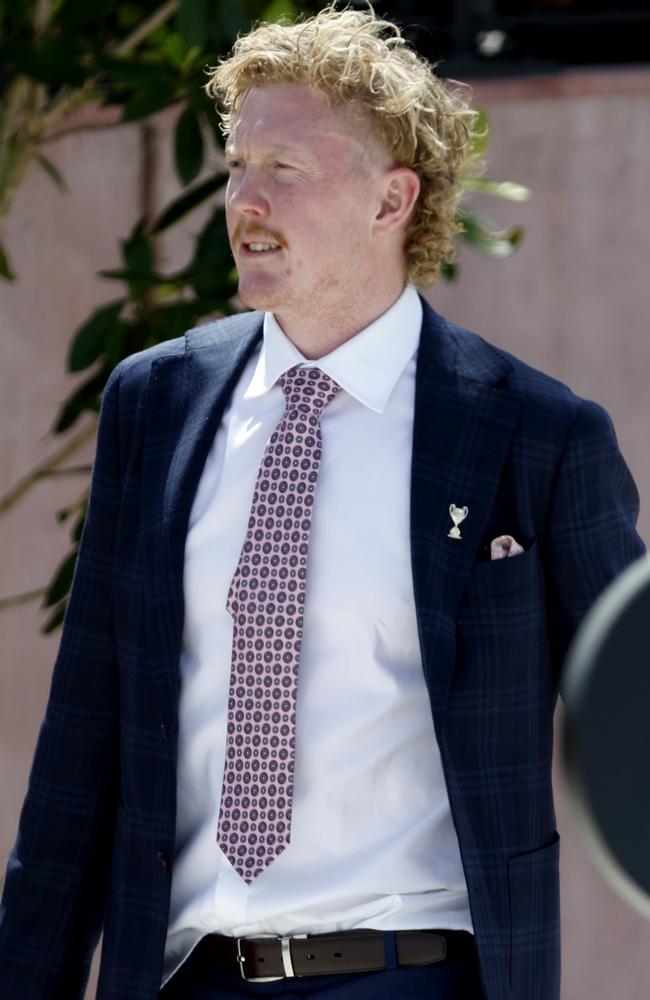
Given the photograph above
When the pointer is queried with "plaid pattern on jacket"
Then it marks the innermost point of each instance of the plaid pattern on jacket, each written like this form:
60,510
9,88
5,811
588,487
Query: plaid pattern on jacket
96,839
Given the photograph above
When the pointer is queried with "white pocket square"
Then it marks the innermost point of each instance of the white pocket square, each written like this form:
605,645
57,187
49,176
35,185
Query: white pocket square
504,546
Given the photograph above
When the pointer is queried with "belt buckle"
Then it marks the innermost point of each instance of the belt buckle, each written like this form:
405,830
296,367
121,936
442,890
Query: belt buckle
284,941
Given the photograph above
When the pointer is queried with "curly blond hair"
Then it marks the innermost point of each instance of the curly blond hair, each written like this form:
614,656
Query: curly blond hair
352,56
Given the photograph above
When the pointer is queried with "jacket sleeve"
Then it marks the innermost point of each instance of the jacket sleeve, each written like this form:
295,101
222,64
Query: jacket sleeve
590,534
53,900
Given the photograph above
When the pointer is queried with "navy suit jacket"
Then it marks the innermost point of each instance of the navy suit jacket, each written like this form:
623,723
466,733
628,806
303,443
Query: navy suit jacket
95,846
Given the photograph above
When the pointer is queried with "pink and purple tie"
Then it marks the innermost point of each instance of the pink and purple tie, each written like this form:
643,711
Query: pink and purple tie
266,601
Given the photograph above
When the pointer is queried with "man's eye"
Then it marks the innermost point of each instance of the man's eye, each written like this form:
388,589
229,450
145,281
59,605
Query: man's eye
233,164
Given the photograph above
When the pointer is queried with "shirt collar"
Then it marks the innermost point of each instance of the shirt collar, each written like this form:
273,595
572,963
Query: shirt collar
367,365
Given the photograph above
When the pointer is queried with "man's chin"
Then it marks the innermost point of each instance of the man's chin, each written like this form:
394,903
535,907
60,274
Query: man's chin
255,296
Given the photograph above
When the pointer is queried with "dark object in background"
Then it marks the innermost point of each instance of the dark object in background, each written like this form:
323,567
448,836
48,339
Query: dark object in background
478,38
606,737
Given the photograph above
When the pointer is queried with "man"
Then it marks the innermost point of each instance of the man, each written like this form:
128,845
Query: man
300,726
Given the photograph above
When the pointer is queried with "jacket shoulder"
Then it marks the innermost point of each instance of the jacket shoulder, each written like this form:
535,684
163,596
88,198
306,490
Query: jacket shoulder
537,390
132,373
546,398
550,410
222,332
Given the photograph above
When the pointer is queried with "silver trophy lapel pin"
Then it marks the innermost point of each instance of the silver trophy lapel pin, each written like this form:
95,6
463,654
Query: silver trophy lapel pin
458,515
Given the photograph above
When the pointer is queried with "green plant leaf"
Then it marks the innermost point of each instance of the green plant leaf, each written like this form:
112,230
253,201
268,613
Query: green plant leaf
139,258
66,512
167,322
133,73
175,49
509,190
192,21
279,8
210,273
187,202
5,266
480,133
480,233
188,146
54,61
60,583
20,14
138,250
79,14
78,527
86,397
210,116
449,270
194,59
205,105
55,620
90,341
51,171
146,102
139,277
233,18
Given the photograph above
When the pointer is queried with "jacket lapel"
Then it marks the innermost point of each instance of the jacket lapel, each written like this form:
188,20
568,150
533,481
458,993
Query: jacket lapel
187,396
463,425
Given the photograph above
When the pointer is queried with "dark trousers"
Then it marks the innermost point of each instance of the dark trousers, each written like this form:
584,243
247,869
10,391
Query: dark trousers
442,981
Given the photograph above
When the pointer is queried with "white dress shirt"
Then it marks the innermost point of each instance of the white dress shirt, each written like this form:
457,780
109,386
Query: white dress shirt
372,840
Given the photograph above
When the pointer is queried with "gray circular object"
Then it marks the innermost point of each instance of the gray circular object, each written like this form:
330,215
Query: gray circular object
606,736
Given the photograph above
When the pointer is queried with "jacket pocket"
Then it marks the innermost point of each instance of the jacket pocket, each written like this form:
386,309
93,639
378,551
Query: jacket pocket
504,576
534,904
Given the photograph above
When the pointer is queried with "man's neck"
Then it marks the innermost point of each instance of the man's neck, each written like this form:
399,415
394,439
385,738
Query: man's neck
319,333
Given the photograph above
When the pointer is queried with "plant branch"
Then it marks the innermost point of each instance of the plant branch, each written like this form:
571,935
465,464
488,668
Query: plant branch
31,595
68,100
25,117
20,125
42,15
73,129
150,24
45,468
71,470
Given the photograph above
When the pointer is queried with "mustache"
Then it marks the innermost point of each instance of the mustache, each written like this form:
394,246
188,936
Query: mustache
253,234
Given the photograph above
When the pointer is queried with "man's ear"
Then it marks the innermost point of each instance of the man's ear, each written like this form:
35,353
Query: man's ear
400,191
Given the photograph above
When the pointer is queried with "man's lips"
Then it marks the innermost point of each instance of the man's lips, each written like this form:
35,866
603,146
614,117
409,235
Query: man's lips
257,242
260,245
254,248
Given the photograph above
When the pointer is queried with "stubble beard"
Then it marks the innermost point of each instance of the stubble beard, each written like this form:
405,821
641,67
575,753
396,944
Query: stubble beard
259,298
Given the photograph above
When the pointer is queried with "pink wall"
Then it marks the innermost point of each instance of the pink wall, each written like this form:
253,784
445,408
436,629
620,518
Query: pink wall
573,301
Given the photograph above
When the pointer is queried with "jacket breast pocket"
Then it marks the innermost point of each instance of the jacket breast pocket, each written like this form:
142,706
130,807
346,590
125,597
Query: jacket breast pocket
500,577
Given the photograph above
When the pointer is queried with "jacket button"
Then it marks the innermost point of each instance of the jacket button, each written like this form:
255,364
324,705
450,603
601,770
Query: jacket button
163,861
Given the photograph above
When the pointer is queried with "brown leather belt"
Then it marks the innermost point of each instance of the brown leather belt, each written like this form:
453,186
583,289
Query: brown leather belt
267,958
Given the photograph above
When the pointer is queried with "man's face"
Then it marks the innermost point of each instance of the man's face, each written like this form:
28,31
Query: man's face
300,201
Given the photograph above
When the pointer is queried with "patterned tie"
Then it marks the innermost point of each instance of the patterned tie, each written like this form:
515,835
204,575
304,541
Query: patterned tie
266,601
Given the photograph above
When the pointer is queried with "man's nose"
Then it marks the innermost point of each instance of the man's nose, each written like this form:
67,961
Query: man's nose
246,196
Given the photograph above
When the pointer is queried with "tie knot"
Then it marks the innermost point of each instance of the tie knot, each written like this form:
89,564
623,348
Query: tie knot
307,391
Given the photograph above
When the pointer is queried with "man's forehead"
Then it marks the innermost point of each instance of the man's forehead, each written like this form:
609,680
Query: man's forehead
289,117
243,136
